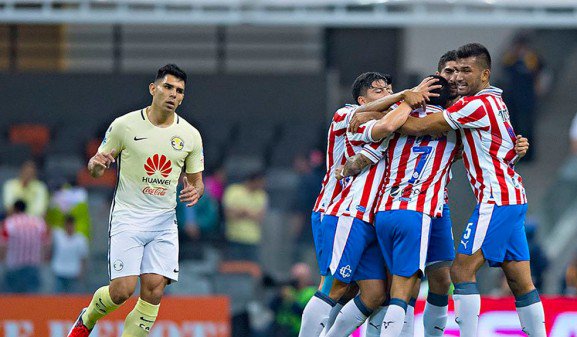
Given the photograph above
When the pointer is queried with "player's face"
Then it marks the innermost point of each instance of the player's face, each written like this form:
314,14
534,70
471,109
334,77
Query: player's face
471,76
449,72
378,89
389,88
167,93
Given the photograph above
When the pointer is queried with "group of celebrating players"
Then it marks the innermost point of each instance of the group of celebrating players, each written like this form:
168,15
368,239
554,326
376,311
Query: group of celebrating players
381,220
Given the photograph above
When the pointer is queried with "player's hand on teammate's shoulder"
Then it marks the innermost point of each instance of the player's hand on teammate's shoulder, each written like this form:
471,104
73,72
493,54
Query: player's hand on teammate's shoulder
426,87
521,146
415,99
360,118
189,194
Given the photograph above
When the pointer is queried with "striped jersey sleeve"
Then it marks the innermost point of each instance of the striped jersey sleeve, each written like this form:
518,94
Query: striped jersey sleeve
335,157
467,114
488,147
359,193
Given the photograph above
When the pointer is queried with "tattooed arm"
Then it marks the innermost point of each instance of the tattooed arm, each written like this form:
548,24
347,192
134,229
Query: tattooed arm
353,166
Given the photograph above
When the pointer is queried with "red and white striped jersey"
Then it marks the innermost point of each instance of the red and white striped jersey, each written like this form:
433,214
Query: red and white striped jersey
335,157
359,194
488,147
25,236
418,171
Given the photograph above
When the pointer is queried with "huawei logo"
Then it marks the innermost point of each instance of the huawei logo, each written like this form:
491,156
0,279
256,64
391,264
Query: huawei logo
158,163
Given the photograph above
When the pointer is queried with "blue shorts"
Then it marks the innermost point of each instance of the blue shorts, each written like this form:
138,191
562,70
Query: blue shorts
316,218
350,250
403,237
441,244
499,231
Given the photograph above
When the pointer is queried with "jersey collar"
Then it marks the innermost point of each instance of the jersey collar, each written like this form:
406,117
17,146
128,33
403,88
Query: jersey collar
494,91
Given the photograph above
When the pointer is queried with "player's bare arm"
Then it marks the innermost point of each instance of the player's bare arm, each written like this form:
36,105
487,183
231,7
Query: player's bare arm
99,162
353,166
193,189
416,97
391,122
360,118
433,124
381,104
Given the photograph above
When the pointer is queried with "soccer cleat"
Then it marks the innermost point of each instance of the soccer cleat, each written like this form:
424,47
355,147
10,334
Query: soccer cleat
79,329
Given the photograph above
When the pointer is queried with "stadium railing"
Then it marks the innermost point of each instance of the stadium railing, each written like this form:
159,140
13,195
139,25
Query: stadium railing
541,13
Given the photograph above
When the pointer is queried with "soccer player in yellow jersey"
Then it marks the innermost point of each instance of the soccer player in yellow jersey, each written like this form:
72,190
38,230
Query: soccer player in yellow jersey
150,147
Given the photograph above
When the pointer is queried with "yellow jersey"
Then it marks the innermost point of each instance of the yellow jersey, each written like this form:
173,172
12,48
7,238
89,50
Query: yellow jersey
149,163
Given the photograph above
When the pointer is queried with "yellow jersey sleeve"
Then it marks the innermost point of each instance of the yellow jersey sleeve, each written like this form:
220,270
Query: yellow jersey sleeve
113,139
194,162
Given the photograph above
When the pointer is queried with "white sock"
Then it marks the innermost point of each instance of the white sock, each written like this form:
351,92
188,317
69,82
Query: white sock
394,318
315,315
375,322
435,315
332,316
467,308
409,324
531,315
353,315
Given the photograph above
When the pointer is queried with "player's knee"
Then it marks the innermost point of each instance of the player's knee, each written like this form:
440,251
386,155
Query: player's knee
157,293
120,292
152,293
338,290
520,287
462,273
373,299
439,282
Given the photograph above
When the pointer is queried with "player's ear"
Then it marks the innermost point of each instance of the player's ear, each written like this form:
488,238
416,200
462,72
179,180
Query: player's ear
152,88
485,75
361,100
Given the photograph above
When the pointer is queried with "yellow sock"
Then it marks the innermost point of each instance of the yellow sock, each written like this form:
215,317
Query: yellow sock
100,306
140,320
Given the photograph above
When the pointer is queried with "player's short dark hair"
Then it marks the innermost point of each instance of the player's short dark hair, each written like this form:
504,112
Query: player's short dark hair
20,206
363,82
170,69
449,56
477,50
444,92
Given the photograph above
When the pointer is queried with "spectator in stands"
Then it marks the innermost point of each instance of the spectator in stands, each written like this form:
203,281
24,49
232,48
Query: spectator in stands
198,223
70,199
523,66
202,220
69,254
289,303
24,242
245,205
215,183
571,278
311,172
28,189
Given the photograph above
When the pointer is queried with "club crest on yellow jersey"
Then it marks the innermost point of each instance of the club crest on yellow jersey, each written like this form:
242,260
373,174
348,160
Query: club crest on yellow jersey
177,143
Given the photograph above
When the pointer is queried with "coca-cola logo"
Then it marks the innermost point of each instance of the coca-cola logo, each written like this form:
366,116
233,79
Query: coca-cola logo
156,191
